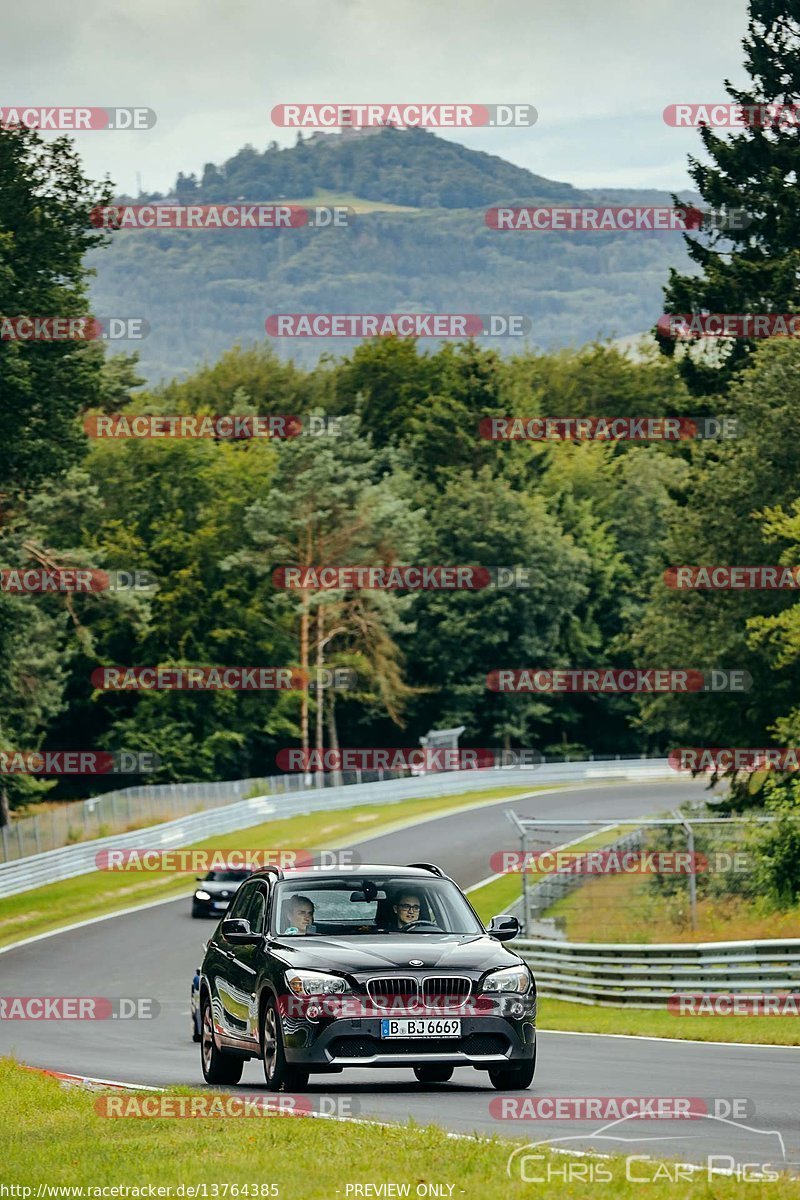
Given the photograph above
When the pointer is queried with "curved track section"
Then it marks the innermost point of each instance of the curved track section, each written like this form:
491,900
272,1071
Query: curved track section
153,952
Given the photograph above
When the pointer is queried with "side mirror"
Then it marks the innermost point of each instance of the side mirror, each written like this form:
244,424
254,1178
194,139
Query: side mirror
239,931
504,928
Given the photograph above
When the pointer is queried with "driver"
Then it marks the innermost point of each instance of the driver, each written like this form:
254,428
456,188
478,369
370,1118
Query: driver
300,913
407,909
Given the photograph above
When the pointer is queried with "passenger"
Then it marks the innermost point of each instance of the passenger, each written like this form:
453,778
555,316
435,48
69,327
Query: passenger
300,911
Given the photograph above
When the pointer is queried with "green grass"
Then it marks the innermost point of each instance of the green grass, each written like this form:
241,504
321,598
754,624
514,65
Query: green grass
627,908
57,904
495,897
61,1140
500,894
589,1018
358,203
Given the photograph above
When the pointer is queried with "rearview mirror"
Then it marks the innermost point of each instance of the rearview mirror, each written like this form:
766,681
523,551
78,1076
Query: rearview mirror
504,928
238,930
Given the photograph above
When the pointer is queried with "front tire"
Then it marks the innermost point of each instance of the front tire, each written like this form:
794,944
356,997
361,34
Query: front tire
278,1074
218,1067
434,1073
515,1077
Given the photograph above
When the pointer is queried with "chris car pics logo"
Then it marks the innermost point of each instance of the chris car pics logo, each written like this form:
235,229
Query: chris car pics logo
743,1152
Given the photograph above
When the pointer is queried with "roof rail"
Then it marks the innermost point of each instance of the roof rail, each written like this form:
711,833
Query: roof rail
428,867
271,869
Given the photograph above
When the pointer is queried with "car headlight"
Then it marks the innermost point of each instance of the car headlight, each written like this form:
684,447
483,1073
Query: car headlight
202,896
314,983
509,979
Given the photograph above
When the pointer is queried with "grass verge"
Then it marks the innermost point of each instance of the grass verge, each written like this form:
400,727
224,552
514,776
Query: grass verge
61,1140
494,897
57,904
499,894
589,1018
628,908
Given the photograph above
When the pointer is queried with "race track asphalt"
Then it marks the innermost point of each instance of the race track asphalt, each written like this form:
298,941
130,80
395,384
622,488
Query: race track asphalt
154,951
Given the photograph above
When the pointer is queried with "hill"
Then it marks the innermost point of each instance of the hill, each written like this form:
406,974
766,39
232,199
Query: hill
418,241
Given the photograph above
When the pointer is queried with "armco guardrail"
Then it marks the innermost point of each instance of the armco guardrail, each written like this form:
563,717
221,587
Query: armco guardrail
69,861
148,803
645,976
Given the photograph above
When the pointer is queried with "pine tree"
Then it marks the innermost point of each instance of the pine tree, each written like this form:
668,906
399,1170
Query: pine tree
757,169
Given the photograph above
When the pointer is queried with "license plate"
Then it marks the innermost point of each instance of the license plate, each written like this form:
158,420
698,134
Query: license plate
219,904
422,1027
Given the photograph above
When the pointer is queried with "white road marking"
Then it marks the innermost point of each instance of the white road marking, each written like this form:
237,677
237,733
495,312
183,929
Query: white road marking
649,1037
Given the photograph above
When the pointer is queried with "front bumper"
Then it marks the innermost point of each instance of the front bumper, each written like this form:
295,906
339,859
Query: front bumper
485,1041
209,908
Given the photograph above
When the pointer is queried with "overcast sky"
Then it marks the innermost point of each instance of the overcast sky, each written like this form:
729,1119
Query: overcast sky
600,74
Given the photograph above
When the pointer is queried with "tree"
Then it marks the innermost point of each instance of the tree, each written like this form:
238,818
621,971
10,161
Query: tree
333,500
755,269
550,620
45,232
716,518
388,383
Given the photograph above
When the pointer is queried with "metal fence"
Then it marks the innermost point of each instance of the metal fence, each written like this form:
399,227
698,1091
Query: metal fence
69,861
646,976
684,859
541,896
144,805
114,812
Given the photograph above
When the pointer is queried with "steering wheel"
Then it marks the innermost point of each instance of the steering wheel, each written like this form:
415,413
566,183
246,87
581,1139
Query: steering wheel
416,924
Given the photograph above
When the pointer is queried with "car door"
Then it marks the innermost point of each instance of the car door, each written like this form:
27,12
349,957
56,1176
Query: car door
229,984
243,964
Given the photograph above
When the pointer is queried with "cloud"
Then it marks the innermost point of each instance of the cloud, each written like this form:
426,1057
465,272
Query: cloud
600,75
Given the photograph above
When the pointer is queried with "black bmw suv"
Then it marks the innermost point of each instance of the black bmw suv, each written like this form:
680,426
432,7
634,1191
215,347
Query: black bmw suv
315,970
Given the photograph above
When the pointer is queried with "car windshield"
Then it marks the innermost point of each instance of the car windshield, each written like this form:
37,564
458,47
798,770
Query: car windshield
374,904
227,876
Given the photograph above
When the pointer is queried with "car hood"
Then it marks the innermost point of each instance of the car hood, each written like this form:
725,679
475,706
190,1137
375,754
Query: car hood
450,952
215,888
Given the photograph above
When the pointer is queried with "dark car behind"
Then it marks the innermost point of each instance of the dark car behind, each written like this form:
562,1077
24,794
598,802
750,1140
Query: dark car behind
214,892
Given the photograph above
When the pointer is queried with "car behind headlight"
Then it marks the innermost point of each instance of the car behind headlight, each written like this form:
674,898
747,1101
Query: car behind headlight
202,896
509,979
314,983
